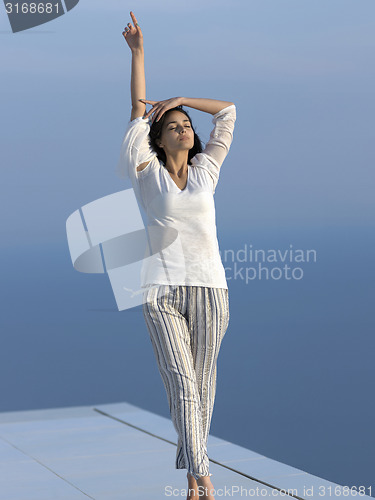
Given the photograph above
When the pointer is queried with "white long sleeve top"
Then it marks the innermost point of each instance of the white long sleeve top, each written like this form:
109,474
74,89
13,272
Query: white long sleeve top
181,224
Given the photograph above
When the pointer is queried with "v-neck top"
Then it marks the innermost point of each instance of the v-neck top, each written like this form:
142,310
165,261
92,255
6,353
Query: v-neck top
187,181
181,224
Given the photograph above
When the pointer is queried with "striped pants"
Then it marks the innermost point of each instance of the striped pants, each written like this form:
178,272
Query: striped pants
186,326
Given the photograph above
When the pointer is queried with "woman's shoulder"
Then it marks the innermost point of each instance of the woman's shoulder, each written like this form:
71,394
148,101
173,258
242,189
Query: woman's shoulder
143,165
138,122
146,167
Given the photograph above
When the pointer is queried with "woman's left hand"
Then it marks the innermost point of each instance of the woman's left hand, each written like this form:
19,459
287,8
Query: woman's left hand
160,107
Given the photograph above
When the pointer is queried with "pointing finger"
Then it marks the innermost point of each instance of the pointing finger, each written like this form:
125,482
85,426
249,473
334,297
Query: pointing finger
133,16
134,20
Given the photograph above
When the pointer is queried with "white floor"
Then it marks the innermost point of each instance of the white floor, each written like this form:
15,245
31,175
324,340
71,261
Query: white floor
120,451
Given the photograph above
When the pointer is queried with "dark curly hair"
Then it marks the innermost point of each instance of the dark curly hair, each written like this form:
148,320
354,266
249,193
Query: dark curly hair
155,133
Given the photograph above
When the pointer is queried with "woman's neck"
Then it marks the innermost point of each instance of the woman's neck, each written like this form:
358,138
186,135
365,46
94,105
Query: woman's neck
177,165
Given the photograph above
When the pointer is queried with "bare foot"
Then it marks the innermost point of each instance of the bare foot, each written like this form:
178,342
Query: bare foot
205,485
192,488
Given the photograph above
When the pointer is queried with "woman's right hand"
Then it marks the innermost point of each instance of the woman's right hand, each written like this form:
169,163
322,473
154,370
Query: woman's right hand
133,35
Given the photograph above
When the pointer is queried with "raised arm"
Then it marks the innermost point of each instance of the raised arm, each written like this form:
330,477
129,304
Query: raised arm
211,106
134,38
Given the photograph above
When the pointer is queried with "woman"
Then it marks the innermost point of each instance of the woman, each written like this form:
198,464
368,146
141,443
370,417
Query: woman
185,304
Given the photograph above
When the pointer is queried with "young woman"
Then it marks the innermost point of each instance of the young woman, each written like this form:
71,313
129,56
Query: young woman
185,302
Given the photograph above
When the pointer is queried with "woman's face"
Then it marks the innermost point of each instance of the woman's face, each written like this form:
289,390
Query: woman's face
177,133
